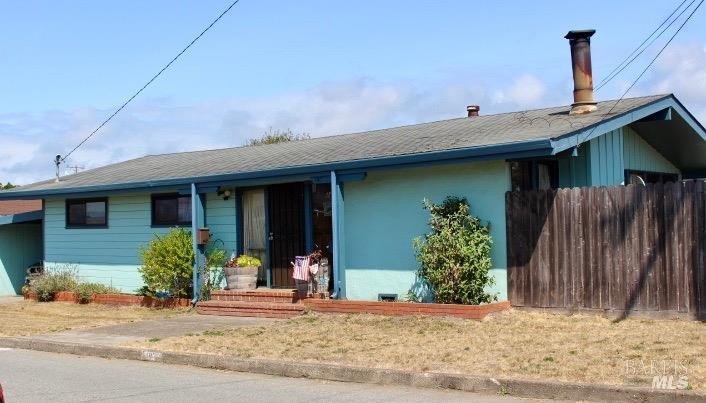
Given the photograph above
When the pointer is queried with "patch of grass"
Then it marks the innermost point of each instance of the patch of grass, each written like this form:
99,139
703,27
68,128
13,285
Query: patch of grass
533,345
25,318
154,339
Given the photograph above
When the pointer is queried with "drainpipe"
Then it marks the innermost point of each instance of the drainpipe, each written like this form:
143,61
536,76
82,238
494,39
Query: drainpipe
334,217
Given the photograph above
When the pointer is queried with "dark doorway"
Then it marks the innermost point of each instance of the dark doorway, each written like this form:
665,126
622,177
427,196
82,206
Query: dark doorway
323,225
286,237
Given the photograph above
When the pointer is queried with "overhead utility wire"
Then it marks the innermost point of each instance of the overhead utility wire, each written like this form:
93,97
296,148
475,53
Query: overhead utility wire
150,81
640,49
644,70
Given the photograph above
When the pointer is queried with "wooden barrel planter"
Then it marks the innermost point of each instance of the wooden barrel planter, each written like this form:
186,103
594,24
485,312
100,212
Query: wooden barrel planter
241,278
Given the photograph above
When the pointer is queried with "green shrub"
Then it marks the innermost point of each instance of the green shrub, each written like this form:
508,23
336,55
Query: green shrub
54,280
167,263
84,291
454,257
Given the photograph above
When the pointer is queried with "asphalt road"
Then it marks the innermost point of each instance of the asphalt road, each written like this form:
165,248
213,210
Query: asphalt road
33,376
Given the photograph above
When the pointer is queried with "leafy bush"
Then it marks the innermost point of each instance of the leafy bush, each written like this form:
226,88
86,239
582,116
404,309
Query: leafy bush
454,257
53,281
84,291
167,263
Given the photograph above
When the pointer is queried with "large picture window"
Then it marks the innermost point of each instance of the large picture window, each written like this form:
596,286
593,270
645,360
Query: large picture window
171,209
86,213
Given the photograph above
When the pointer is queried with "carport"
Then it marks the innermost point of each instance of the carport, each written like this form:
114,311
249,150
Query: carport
21,246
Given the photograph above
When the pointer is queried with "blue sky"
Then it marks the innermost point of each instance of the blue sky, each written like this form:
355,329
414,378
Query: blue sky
323,67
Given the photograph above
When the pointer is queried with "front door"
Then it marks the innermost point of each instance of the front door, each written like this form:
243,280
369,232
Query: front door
286,226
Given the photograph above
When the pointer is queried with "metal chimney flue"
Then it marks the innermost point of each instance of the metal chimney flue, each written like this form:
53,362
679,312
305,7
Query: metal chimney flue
473,110
580,42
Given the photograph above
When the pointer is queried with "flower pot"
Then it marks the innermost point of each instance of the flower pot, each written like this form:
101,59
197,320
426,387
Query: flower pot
241,278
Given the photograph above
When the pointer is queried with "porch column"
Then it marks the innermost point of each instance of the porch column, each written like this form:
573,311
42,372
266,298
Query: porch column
198,220
339,286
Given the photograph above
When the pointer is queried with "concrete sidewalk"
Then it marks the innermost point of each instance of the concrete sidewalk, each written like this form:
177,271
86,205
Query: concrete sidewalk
149,329
10,299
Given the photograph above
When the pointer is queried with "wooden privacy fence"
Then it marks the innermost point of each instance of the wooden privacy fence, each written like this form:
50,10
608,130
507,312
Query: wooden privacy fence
623,248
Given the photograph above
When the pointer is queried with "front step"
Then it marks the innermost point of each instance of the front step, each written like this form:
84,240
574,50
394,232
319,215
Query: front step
251,309
257,295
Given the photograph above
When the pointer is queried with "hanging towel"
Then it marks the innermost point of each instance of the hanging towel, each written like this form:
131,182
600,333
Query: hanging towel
301,268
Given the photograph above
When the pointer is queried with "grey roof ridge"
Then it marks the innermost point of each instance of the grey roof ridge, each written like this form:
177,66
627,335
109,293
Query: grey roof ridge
383,129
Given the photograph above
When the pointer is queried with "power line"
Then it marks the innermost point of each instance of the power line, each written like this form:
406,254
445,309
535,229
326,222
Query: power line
149,82
635,54
644,70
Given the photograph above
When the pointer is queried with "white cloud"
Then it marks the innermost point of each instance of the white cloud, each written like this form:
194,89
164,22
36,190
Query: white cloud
682,70
526,90
150,126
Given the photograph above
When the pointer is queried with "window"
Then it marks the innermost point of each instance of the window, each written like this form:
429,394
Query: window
171,209
87,213
534,175
633,177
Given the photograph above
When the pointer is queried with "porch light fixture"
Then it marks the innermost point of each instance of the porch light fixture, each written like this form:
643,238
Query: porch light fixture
224,193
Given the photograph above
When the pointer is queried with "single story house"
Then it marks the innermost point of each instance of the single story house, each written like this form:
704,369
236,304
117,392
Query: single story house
359,196
20,242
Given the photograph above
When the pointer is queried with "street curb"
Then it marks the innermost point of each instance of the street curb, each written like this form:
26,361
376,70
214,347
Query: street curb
342,373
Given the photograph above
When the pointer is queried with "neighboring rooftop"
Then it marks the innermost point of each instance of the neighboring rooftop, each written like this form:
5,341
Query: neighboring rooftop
485,131
12,207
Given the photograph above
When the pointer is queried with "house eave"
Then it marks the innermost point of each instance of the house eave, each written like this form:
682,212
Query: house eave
668,102
22,217
522,149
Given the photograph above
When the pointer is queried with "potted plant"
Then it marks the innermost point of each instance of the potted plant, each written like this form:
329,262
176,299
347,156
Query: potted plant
241,273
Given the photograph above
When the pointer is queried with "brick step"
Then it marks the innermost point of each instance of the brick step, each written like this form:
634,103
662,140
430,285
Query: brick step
246,308
257,295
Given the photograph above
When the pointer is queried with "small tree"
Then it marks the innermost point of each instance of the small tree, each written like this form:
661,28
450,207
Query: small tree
6,186
276,136
167,263
454,257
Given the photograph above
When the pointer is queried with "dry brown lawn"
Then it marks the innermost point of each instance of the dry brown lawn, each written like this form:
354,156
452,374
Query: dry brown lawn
580,348
24,318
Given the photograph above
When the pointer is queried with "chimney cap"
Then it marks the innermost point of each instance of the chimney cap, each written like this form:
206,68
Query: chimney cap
580,33
473,110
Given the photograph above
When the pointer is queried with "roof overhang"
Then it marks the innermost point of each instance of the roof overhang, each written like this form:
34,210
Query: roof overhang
524,149
22,218
664,123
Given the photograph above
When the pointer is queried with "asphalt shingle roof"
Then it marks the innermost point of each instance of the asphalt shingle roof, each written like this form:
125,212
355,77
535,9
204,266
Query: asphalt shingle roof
485,130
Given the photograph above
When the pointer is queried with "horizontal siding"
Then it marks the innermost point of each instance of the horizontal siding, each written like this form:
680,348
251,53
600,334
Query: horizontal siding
106,255
111,255
641,156
123,277
220,219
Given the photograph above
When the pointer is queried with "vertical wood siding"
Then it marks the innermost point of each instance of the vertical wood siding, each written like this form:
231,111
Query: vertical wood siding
607,166
641,156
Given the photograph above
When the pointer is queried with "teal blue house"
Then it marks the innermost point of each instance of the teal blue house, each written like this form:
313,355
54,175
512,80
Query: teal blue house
20,244
358,197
